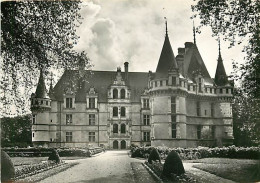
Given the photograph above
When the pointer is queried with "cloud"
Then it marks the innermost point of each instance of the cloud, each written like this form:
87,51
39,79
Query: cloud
116,31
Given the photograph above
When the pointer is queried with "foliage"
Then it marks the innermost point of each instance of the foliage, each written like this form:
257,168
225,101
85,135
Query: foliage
154,155
54,156
16,131
7,167
238,21
35,35
173,165
205,152
246,115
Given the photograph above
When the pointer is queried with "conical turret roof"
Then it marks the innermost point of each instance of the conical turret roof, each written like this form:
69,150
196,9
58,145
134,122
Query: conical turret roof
41,91
221,78
167,59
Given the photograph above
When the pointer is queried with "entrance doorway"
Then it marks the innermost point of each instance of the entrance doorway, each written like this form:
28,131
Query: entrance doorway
123,144
115,144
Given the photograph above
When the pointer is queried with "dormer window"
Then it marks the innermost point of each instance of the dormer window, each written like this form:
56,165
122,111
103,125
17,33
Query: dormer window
91,103
68,102
115,94
173,81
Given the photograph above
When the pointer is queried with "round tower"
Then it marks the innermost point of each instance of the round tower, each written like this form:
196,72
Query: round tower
40,107
167,94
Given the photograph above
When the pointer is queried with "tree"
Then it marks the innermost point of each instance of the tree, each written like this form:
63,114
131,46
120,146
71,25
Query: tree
16,131
238,21
35,35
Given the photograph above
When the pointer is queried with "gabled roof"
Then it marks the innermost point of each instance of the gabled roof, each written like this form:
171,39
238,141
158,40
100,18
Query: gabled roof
166,61
41,91
101,81
194,64
221,78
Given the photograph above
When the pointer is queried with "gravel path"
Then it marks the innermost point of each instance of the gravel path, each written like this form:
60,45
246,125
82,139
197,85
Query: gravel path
111,166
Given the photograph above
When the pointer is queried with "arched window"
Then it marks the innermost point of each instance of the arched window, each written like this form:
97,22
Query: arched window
115,128
123,94
115,93
115,111
122,128
123,111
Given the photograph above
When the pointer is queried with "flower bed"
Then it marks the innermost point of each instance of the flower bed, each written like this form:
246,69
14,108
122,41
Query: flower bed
29,170
201,152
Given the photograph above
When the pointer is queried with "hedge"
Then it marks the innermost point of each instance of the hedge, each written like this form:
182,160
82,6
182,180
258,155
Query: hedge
45,152
201,152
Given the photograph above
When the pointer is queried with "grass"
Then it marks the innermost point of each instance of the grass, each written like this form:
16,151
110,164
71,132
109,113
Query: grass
232,169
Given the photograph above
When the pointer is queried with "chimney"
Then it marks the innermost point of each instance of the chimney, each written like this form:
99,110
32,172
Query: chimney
126,71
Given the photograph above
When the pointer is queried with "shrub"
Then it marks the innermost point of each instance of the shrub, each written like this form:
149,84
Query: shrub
154,155
173,165
7,167
54,156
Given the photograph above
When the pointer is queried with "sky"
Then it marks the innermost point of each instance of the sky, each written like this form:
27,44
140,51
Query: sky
115,31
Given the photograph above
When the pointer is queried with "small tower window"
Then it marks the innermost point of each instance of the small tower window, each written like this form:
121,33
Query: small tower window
173,104
210,90
122,94
166,82
115,111
47,103
221,90
212,109
115,94
199,131
227,91
188,87
32,134
123,111
200,85
198,108
155,83
33,118
161,83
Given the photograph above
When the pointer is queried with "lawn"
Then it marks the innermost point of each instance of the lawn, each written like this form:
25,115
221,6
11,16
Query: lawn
233,169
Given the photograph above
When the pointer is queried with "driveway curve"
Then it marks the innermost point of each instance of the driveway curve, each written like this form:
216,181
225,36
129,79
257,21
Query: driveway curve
111,166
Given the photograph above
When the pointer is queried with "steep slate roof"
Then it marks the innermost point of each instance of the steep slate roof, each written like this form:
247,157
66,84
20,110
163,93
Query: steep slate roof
193,63
101,81
41,91
221,76
166,60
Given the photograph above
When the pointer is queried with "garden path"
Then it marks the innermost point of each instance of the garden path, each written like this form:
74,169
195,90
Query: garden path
111,166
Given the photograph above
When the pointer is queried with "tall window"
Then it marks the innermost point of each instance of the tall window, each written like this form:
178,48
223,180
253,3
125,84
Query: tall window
68,119
92,103
146,103
212,109
173,104
91,136
123,111
33,118
115,93
115,111
115,128
146,119
122,128
68,102
198,108
68,136
122,93
213,129
146,136
200,85
199,131
173,81
174,129
92,119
